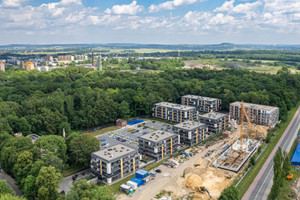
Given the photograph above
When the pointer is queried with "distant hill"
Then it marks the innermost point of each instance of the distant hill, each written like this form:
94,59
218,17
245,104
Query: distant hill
222,46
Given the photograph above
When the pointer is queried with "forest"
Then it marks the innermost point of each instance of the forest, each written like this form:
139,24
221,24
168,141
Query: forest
77,98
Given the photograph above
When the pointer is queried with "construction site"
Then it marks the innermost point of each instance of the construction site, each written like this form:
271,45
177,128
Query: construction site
205,171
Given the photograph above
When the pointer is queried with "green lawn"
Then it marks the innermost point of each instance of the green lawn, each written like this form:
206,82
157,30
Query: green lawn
104,130
246,182
72,170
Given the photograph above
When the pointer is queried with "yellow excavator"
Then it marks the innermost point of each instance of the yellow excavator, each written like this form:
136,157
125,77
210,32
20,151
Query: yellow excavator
201,188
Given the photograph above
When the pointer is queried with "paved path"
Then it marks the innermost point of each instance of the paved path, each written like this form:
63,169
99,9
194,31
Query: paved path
66,183
11,182
261,186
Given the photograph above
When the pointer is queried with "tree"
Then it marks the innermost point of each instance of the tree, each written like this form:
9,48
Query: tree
5,189
53,143
277,179
51,160
84,189
29,188
286,165
23,165
229,193
102,193
47,182
10,197
81,148
72,195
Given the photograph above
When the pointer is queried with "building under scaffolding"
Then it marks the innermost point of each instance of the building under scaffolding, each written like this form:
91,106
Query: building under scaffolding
233,158
258,114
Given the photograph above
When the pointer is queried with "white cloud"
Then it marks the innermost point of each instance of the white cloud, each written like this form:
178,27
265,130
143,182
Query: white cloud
226,6
130,9
13,3
170,5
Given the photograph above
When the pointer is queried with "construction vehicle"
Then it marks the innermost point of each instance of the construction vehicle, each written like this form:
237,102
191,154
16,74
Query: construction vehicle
289,177
228,176
243,114
201,188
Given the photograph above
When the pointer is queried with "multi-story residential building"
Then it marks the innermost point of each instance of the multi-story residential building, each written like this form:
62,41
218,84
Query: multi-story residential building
28,66
203,104
158,144
114,163
49,58
2,66
216,122
258,114
81,57
191,132
66,58
173,112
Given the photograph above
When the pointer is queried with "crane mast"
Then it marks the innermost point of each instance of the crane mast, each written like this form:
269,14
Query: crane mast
243,114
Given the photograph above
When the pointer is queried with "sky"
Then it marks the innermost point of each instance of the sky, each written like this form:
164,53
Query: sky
150,21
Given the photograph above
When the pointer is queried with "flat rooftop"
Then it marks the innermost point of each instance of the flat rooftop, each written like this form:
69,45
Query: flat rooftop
200,97
254,106
157,136
174,106
213,115
115,152
189,125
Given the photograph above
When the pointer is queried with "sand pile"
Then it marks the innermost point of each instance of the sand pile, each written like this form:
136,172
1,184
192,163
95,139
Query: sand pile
193,181
256,132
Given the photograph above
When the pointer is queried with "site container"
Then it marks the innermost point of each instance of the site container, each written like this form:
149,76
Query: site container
141,174
132,184
138,181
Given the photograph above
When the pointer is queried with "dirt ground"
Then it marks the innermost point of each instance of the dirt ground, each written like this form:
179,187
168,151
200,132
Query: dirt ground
296,188
194,171
176,180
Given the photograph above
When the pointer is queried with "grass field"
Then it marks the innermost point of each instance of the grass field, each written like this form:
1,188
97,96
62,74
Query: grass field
72,170
246,182
103,130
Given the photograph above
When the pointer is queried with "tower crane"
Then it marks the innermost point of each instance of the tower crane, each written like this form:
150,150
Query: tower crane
243,114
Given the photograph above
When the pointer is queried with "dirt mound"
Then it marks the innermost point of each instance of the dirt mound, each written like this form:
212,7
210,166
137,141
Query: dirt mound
193,181
188,170
256,132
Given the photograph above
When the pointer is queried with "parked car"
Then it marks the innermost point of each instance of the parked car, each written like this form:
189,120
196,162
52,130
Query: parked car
103,140
158,171
123,140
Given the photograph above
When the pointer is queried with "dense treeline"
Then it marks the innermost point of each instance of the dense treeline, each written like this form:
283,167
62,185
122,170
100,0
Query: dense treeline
37,167
78,98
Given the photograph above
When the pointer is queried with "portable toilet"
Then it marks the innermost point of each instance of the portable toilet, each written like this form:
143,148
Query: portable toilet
132,184
141,174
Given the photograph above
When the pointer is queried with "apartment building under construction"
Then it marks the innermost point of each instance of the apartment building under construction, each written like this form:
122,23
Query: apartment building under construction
203,104
191,132
216,122
114,163
173,112
258,114
158,144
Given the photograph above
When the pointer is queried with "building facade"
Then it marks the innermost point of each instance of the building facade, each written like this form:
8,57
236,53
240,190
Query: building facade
216,122
191,132
28,66
114,163
173,112
203,104
66,58
158,144
258,114
2,66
